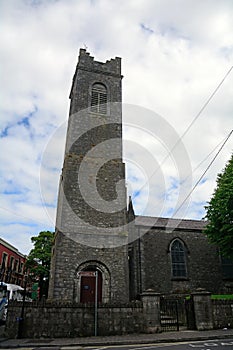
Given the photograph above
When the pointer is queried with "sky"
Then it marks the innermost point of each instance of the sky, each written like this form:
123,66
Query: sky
176,61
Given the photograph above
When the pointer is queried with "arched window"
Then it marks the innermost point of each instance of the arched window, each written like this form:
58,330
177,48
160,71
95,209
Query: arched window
178,259
99,99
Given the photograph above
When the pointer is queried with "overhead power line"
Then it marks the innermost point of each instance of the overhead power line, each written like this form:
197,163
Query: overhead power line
203,161
197,116
201,177
206,103
191,124
21,216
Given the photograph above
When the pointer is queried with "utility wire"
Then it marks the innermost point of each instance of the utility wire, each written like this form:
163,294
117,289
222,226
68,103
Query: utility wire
203,161
198,115
178,141
21,216
201,177
190,125
205,104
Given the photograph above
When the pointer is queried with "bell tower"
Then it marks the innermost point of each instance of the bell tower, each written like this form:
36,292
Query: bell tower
91,226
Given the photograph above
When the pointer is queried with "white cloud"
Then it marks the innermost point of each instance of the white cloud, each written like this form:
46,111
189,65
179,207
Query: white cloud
174,54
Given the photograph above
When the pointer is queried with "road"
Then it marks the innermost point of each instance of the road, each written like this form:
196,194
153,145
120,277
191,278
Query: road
225,344
199,345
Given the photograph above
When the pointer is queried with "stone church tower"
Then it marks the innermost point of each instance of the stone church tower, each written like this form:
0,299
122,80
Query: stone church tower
91,227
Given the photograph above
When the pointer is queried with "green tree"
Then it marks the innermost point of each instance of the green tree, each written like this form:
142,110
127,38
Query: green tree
38,260
220,212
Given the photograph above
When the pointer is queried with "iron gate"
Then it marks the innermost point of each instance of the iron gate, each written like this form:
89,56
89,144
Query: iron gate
176,313
169,314
189,307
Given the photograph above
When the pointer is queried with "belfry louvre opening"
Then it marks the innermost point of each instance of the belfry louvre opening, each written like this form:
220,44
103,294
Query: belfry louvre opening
99,99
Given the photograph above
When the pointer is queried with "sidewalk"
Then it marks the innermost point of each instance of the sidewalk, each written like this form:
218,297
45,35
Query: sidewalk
184,335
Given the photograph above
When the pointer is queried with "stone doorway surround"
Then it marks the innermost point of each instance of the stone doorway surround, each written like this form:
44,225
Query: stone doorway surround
93,265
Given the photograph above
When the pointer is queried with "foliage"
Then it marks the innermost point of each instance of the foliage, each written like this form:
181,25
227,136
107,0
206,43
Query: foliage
222,296
216,296
220,212
38,260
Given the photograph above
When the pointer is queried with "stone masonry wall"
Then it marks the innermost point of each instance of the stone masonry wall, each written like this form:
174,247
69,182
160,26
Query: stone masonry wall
222,313
92,208
204,270
53,320
70,257
88,72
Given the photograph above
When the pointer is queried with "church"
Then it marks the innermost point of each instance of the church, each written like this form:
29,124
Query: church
102,249
114,272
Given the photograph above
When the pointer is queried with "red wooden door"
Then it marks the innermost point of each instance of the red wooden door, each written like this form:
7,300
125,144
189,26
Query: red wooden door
88,284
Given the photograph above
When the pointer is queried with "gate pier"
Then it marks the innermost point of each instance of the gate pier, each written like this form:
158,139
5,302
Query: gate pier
151,310
203,310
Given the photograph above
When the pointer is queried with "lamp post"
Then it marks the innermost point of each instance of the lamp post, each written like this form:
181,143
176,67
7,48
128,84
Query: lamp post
21,318
96,302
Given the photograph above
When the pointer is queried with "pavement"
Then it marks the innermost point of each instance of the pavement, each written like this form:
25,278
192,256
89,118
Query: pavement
165,337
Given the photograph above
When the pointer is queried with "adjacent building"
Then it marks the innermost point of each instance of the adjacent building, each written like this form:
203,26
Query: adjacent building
12,266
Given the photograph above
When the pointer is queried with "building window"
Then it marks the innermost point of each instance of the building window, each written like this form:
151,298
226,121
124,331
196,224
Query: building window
99,99
16,265
11,263
3,267
4,261
178,259
21,268
227,268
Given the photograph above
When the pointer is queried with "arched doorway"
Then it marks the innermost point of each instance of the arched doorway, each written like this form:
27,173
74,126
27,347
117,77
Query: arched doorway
91,279
85,281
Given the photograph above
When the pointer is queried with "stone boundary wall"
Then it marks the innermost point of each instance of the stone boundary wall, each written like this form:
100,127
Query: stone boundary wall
55,320
222,313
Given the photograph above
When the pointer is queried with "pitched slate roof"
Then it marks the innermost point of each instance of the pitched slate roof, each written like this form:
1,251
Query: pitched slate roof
159,222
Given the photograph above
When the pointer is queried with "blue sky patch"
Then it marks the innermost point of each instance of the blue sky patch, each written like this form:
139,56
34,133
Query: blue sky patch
25,121
174,184
203,181
132,178
136,194
4,132
10,192
146,28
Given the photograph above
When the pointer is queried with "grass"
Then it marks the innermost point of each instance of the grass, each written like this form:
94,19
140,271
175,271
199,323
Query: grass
222,296
217,296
